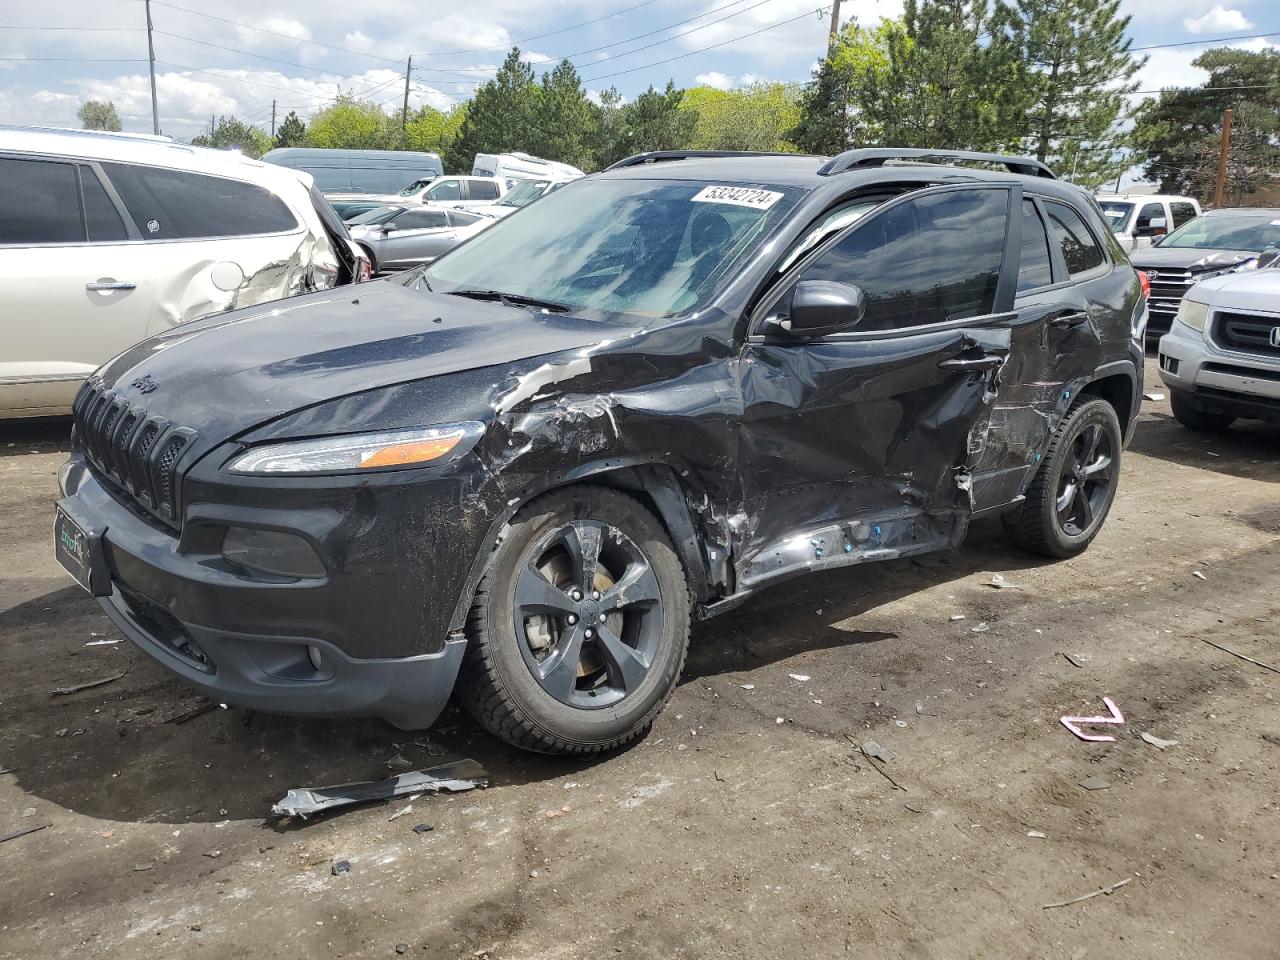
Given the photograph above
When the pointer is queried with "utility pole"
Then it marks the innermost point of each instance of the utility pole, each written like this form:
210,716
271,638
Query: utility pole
404,111
273,119
151,57
1222,158
835,24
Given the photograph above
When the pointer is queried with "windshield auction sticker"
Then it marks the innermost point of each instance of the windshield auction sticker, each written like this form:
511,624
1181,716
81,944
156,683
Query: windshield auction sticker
738,197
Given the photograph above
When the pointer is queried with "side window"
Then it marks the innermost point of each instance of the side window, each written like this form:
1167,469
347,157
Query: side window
1080,251
100,214
1034,268
41,203
1182,212
1149,212
445,190
927,260
482,189
459,219
175,204
421,220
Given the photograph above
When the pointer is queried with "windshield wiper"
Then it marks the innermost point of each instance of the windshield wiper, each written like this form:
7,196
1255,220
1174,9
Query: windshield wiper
512,299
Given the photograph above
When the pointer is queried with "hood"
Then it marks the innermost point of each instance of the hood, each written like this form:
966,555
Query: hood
1188,258
224,374
1253,290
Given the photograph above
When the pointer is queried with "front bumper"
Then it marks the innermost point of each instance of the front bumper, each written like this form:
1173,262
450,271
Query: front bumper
266,646
1218,380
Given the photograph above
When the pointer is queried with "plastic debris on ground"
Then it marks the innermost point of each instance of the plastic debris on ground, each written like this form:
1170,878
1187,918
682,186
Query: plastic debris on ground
448,778
800,677
1156,741
877,751
341,867
1117,718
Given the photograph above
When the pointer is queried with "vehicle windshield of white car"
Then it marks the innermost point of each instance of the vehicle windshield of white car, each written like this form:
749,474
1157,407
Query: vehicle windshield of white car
1250,232
620,250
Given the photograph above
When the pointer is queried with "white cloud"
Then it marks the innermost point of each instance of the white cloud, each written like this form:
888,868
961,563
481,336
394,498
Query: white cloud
277,25
715,79
535,58
1217,20
1172,67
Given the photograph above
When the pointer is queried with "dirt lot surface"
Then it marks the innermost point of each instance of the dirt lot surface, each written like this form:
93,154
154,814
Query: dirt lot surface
746,824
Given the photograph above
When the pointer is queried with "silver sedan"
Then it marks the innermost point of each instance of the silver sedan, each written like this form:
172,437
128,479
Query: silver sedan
397,237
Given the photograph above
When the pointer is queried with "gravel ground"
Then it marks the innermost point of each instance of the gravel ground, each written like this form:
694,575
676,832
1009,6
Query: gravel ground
747,824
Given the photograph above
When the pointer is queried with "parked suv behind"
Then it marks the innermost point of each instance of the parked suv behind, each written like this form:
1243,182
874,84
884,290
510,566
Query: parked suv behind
106,239
656,391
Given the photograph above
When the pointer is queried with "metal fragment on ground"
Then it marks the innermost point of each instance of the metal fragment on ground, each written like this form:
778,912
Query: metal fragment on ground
5,838
449,778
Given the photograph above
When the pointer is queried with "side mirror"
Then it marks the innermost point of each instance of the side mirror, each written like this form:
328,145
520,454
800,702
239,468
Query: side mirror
820,307
1156,227
388,227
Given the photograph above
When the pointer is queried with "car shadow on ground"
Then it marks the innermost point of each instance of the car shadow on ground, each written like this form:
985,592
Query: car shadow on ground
1250,449
115,752
22,437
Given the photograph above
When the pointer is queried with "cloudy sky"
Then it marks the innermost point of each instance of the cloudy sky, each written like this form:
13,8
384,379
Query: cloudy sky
237,56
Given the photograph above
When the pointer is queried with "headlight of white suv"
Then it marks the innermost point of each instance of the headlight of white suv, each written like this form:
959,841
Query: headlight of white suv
1193,314
364,451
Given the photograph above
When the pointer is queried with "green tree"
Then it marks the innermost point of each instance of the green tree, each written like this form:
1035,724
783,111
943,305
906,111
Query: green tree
292,132
503,115
434,130
568,122
756,117
652,121
232,134
99,115
353,125
1177,134
1080,69
955,80
828,120
608,128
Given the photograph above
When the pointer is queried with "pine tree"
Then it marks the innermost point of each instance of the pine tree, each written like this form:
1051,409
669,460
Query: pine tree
955,79
503,115
568,120
1080,70
654,121
292,132
830,120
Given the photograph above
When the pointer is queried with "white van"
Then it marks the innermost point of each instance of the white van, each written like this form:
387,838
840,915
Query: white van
513,167
1137,219
106,239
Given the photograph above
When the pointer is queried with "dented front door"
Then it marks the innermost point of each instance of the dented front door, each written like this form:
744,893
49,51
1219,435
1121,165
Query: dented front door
861,445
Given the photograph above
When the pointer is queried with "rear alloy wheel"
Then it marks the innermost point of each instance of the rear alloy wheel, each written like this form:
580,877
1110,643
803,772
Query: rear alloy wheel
579,631
1070,496
1187,413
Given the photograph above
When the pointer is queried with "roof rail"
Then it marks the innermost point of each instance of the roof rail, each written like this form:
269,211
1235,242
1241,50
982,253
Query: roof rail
661,156
877,157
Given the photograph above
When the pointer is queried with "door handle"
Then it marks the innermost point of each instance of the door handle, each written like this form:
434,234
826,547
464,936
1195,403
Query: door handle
1065,321
987,361
111,285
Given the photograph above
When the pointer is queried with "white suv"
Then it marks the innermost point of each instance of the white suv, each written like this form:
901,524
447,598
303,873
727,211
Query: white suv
447,191
1137,219
1221,357
106,239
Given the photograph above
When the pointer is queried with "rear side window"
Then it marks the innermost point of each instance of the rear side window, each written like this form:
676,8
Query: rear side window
483,190
1079,249
177,205
100,214
1182,212
460,219
1150,211
927,260
420,220
41,203
1034,268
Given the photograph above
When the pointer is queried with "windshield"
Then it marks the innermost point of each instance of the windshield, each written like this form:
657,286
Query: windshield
416,187
1118,214
376,215
524,193
1240,232
618,249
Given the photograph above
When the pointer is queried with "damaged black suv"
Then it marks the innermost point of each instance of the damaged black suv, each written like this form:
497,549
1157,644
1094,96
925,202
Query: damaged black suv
523,469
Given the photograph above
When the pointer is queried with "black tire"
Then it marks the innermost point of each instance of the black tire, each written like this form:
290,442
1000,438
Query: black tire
1192,417
1043,525
527,620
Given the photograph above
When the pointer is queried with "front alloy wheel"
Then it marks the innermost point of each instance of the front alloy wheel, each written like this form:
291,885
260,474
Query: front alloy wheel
579,630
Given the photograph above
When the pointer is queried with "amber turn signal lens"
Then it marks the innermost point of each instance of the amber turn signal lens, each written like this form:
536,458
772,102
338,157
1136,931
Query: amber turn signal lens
404,453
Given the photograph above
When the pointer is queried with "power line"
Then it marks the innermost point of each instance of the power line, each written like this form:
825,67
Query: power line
541,36
714,46
1196,43
73,60
85,29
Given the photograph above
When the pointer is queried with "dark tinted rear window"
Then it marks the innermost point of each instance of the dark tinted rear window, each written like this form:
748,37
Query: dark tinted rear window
175,204
1034,269
483,190
1080,251
40,203
101,216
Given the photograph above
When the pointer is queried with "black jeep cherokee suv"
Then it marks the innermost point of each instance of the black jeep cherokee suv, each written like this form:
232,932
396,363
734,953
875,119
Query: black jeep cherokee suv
524,468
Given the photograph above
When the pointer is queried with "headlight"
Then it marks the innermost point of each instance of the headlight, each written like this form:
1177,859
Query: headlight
1193,314
364,451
